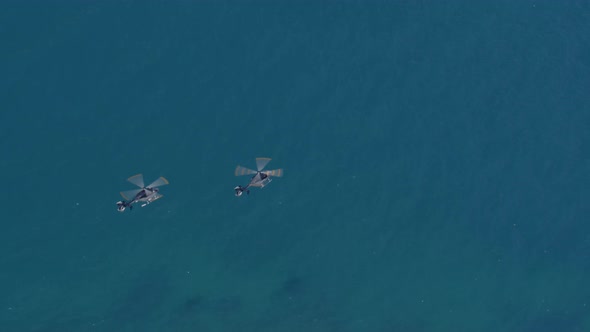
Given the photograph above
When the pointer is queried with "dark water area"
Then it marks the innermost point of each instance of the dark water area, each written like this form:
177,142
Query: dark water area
436,160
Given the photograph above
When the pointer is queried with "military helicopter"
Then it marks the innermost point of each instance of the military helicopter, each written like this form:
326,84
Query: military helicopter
260,179
144,195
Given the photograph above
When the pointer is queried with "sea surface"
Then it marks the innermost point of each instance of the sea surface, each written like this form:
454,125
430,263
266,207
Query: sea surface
436,158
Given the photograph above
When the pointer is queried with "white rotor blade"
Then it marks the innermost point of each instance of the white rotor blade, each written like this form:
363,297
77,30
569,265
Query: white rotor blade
261,163
130,194
275,172
137,180
161,181
240,170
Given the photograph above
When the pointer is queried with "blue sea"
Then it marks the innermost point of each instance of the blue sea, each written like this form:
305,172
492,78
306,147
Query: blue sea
436,160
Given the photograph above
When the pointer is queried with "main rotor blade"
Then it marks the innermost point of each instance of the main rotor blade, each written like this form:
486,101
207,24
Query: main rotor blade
275,172
240,170
130,194
137,180
161,181
261,163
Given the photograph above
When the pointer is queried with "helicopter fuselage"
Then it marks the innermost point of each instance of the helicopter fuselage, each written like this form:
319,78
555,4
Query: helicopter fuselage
259,180
145,195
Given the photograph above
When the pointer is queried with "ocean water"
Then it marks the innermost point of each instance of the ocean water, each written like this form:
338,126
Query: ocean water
436,161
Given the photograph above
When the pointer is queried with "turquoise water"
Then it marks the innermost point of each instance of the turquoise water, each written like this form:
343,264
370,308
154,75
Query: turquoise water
435,155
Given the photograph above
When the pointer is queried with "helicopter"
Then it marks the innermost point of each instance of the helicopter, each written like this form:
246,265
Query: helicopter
144,195
259,179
